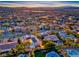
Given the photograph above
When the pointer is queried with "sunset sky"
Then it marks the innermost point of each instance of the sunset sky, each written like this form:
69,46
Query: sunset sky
39,3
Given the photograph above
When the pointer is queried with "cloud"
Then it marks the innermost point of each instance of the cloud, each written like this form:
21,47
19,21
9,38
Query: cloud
37,4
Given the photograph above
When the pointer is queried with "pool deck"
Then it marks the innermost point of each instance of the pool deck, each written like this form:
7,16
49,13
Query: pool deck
75,51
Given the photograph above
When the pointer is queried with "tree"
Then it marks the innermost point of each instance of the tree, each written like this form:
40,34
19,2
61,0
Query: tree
20,46
19,41
40,37
31,53
58,36
0,51
12,52
77,35
74,44
0,41
49,45
58,48
9,40
53,33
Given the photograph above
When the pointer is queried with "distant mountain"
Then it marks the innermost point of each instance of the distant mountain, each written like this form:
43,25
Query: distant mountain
41,8
70,7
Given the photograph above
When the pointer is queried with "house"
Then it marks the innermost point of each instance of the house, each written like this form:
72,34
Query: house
33,39
51,37
7,46
72,37
62,34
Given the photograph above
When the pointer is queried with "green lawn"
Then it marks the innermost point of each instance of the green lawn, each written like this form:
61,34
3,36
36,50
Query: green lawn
40,54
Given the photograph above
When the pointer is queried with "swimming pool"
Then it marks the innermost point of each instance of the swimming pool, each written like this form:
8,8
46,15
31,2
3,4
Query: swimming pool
23,55
52,54
73,53
43,30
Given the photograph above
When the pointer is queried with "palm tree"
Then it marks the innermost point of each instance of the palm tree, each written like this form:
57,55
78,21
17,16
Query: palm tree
31,53
19,41
20,46
12,52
